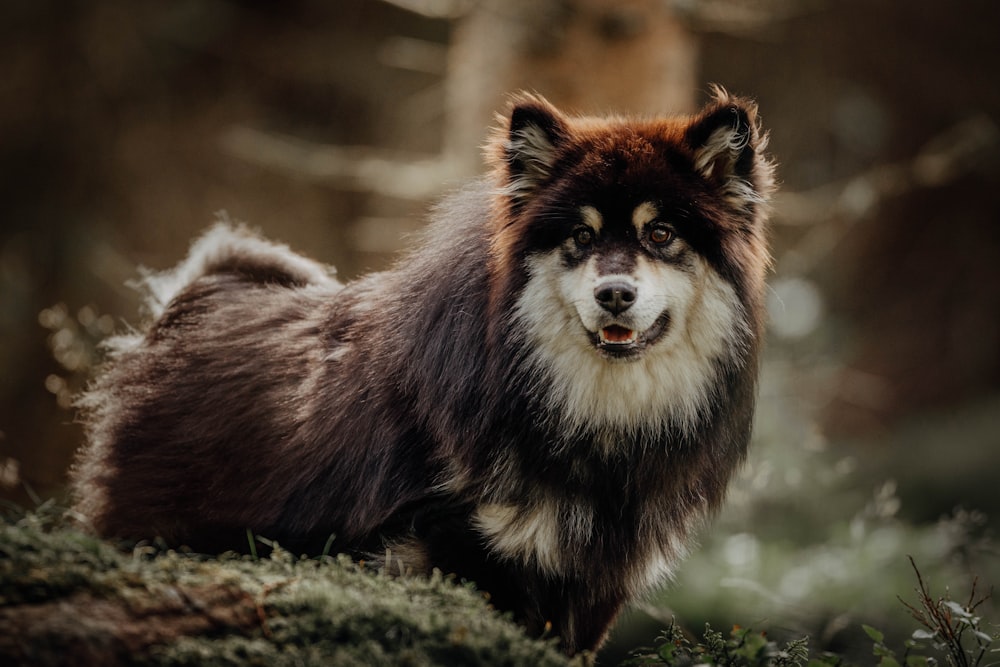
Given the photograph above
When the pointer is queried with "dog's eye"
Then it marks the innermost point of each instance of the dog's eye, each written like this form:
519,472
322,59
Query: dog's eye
583,236
661,235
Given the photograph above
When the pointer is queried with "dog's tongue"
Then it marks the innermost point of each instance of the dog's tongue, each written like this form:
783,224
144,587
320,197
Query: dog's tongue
616,334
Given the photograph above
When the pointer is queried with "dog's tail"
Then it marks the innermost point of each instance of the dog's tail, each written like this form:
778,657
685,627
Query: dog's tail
234,249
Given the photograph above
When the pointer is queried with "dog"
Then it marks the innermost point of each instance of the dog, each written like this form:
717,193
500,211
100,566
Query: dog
546,395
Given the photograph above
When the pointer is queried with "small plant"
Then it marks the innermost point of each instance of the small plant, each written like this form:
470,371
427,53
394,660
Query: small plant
743,648
952,628
888,658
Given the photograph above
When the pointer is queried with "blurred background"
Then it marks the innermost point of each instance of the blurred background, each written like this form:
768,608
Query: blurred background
126,127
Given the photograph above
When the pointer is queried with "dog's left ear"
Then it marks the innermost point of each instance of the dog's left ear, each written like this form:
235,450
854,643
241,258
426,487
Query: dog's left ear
728,150
535,132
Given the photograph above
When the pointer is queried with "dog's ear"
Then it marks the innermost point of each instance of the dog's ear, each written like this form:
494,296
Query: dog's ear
534,134
728,150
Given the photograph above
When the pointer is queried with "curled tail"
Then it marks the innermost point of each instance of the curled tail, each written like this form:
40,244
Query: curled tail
233,249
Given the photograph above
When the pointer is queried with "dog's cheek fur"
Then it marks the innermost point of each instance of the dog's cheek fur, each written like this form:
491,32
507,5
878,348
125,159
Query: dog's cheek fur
666,388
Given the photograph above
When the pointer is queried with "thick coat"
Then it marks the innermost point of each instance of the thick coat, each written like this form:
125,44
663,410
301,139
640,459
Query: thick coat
429,414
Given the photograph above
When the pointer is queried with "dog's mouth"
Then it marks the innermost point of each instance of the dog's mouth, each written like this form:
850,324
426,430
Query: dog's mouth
618,341
617,335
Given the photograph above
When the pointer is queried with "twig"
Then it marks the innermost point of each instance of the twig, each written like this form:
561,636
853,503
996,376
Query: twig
363,168
938,616
435,9
831,210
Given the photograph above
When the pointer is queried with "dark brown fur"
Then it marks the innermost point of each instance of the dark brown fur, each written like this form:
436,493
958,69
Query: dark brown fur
390,411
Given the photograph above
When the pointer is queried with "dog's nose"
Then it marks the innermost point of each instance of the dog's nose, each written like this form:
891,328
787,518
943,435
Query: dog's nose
615,296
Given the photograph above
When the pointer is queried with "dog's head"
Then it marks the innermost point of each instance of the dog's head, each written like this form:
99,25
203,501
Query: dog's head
624,240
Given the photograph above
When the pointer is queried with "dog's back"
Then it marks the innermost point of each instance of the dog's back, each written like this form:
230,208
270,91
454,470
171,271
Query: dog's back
233,325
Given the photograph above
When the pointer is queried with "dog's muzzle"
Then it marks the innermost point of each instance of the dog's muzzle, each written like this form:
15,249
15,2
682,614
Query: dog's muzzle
617,339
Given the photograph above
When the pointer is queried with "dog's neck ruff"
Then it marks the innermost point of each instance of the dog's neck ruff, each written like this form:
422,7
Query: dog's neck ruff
669,388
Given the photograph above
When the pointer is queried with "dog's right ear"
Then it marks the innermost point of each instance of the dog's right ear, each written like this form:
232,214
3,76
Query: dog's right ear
535,132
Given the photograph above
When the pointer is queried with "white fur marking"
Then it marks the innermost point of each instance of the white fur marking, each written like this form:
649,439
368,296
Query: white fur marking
658,568
524,533
340,352
724,142
592,217
644,214
721,150
669,383
666,550
530,146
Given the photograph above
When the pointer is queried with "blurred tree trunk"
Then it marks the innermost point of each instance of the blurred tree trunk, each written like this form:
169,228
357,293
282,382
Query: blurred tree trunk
588,56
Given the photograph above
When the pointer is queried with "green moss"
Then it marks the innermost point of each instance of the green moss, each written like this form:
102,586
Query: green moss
233,610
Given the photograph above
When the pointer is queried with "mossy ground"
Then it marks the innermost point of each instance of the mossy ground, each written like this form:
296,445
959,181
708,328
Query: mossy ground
69,598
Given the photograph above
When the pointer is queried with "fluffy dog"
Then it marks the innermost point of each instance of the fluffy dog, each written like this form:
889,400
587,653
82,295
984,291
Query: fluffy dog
547,395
